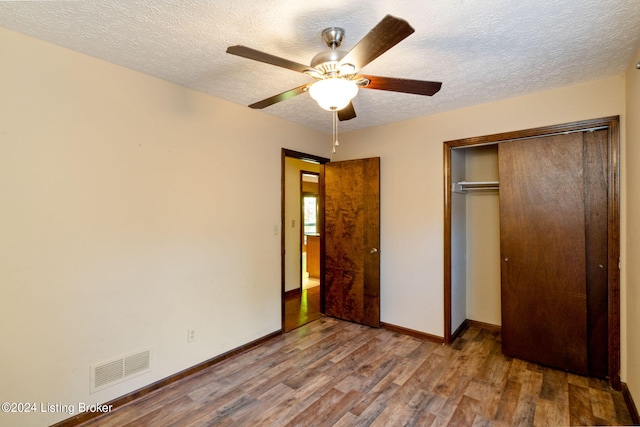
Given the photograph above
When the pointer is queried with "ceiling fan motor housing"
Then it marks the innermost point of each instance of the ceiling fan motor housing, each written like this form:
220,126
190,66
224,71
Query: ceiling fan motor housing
327,62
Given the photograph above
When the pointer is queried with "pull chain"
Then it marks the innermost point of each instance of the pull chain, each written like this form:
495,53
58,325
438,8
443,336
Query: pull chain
335,142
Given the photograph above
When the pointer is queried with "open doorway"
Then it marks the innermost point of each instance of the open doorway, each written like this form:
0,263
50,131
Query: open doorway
310,211
302,284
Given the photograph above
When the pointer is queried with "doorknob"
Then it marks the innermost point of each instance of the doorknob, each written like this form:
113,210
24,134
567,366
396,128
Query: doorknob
374,250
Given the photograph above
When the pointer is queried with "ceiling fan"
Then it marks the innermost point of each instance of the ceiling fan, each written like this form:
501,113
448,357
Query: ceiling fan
337,72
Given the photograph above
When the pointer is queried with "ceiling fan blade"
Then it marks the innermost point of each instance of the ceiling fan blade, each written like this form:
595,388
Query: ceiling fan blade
418,87
280,97
388,33
256,55
347,113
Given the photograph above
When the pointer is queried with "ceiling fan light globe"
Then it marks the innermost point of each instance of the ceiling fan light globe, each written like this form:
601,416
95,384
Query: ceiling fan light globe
333,94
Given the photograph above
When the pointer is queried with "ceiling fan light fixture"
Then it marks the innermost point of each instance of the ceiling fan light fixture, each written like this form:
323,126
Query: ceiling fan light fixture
347,69
333,94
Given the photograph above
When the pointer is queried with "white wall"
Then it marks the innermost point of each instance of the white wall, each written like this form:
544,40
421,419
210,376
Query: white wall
483,238
412,190
631,236
132,210
458,243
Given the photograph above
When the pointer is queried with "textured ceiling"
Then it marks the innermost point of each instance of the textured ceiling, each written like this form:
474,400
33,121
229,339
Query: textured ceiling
482,50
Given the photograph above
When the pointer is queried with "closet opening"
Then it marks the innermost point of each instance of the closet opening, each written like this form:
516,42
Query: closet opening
475,269
475,236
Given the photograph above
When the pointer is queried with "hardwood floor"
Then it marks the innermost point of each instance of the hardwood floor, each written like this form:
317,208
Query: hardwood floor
302,308
335,373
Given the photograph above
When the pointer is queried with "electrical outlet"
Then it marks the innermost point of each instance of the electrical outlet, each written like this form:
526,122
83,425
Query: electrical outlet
191,335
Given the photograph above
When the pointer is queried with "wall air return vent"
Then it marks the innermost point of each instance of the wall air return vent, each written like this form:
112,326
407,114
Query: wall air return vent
114,371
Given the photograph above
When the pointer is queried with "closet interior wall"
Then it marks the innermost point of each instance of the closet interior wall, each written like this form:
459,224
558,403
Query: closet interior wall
475,238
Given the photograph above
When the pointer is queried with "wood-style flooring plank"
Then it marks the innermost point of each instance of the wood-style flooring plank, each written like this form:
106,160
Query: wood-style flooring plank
531,384
335,373
507,408
333,402
602,404
580,412
465,412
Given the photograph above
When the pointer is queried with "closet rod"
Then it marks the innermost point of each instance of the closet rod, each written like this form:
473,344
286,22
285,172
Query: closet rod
462,186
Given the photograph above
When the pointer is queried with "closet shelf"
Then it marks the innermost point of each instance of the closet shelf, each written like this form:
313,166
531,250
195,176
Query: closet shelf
464,186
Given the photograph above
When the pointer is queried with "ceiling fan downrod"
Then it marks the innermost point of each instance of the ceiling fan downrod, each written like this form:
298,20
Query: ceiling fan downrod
333,37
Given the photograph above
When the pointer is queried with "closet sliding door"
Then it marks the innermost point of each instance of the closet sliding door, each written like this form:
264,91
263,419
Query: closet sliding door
552,222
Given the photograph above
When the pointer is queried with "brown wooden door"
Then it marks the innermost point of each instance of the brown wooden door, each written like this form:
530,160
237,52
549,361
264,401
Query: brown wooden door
597,250
352,240
542,227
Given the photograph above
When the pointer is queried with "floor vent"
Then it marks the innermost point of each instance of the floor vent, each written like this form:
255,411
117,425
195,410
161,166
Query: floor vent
115,371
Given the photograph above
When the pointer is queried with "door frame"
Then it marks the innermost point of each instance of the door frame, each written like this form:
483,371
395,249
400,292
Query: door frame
321,161
613,150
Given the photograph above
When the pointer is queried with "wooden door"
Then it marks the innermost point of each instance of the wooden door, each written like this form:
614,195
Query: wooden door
542,244
352,240
597,250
